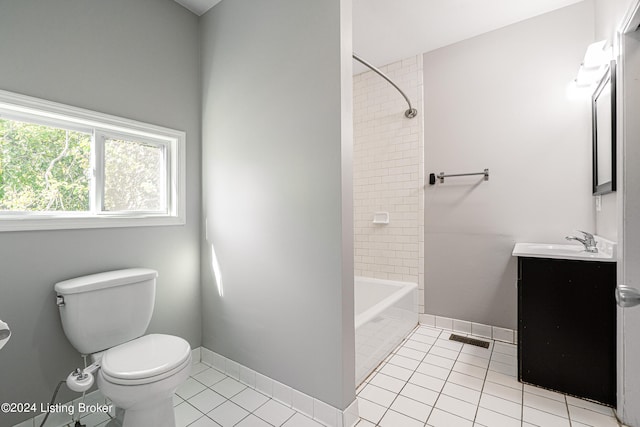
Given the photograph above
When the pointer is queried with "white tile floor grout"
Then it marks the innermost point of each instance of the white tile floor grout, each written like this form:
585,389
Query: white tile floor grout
210,398
427,381
431,381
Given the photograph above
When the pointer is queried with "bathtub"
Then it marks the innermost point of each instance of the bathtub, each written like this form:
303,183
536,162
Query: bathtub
385,312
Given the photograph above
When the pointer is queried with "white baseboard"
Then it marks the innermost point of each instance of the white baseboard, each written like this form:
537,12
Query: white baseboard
313,408
471,328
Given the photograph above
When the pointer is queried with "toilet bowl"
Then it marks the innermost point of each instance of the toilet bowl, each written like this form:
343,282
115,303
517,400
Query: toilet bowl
141,377
105,315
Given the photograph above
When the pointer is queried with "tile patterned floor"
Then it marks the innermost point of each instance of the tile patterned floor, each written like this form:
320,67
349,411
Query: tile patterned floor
427,381
432,381
210,398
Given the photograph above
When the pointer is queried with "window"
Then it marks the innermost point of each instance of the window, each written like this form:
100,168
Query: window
134,178
65,167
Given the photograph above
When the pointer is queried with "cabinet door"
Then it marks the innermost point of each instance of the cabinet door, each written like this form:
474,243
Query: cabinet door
566,326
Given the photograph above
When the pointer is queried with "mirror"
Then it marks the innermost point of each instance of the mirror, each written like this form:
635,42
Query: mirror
603,110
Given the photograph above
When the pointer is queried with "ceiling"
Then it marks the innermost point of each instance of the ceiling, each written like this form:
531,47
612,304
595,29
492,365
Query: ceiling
198,6
386,31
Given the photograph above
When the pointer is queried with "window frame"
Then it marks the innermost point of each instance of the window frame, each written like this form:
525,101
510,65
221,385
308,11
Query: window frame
98,183
34,110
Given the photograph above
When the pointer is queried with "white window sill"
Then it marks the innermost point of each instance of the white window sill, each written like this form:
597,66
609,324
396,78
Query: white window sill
46,222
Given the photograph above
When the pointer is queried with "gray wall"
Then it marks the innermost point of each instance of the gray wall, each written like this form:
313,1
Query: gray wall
500,101
609,16
273,193
137,60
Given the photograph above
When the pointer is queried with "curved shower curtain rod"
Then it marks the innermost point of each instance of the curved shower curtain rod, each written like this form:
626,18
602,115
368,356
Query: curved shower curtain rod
411,112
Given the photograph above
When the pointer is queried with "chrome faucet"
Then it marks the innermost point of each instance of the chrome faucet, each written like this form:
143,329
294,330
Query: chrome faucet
589,241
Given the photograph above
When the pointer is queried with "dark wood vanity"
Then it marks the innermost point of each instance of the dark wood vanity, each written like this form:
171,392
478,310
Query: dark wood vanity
567,326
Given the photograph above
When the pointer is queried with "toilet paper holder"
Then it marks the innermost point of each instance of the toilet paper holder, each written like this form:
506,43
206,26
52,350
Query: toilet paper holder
5,333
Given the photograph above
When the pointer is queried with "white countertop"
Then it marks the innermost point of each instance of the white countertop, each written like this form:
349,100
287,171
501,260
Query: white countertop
606,251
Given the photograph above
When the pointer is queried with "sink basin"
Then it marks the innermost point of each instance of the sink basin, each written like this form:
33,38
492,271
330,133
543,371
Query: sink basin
562,251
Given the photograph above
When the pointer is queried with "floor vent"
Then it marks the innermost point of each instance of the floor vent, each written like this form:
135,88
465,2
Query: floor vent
467,340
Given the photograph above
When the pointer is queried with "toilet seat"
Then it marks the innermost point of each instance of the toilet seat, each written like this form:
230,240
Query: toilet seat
145,360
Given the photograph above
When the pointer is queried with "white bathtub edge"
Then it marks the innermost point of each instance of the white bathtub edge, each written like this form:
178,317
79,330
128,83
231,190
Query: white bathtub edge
386,321
373,311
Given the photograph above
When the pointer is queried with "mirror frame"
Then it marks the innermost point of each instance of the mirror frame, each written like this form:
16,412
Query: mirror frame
608,80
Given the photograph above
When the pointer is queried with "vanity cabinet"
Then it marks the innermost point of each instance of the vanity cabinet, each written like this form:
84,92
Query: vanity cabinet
567,326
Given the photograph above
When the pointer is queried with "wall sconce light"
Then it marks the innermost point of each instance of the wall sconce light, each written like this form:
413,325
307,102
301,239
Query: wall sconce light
595,63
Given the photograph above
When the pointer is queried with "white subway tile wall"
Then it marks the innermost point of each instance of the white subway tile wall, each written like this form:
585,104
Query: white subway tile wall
388,175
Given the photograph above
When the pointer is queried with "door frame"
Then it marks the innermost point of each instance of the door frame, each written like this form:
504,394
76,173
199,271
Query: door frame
628,206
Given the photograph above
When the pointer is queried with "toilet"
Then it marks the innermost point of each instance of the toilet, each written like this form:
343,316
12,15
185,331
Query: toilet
105,316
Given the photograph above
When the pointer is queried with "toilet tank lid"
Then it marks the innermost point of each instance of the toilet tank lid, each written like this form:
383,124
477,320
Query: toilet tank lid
108,279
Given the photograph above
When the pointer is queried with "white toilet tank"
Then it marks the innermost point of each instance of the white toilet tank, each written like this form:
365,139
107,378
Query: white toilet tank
103,310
